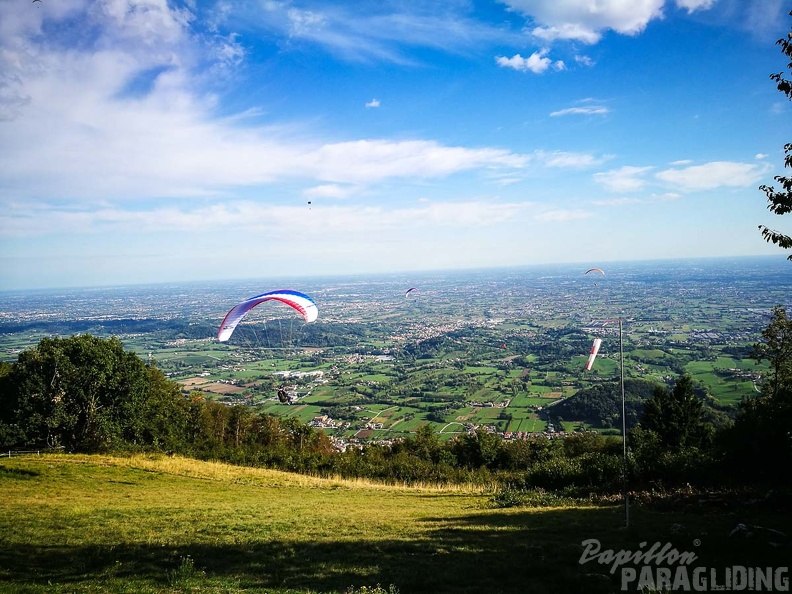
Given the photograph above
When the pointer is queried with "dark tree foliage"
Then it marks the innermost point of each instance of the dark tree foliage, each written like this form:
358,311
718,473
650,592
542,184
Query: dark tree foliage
776,348
759,446
676,416
780,201
87,394
600,405
83,393
476,450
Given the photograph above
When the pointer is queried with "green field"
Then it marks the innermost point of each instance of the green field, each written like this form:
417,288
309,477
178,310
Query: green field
168,524
442,382
438,383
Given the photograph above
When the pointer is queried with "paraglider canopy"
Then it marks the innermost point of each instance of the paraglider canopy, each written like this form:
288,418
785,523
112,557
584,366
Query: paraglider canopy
294,299
410,290
600,270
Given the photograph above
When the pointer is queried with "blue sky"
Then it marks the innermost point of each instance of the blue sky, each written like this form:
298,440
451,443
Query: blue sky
146,141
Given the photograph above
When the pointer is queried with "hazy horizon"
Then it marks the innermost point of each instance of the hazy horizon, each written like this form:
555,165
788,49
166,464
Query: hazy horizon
776,263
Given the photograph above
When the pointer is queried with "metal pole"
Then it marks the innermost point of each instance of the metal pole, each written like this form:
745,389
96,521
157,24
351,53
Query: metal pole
624,430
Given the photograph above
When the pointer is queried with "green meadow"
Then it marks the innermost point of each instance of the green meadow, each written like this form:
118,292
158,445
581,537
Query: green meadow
71,523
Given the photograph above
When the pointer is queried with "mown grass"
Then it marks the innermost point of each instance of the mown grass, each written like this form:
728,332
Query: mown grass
169,524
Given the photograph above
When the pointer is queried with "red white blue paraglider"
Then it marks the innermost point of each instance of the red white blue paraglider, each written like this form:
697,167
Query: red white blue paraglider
299,301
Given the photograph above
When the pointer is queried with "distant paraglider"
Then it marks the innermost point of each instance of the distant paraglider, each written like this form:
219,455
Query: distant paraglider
600,270
299,301
410,290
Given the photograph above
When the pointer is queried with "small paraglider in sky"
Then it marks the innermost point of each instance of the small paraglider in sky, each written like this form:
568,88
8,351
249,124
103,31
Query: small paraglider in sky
600,270
595,270
309,205
593,354
410,290
294,299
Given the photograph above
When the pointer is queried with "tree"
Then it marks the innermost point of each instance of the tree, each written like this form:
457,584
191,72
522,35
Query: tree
759,446
477,449
781,200
83,392
675,416
777,349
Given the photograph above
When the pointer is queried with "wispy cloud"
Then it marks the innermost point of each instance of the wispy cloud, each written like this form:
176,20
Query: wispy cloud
624,179
694,5
375,31
373,103
563,215
329,191
240,216
621,201
718,174
568,159
586,110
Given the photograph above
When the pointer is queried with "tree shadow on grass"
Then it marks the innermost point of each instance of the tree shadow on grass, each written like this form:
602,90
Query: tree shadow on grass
496,551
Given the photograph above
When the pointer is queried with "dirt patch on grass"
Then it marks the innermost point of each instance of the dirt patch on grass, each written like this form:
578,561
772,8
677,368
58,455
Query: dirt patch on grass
221,388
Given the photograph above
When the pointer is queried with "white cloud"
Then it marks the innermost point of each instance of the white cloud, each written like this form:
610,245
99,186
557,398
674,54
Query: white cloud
329,191
370,160
244,216
374,33
760,156
584,20
373,103
623,200
568,31
108,119
694,5
167,143
567,160
150,22
667,197
718,174
563,215
537,62
228,51
588,110
624,179
616,201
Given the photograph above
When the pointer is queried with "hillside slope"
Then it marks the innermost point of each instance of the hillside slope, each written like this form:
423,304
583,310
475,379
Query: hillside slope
162,524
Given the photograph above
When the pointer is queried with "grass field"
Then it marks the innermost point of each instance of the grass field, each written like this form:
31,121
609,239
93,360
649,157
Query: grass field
168,524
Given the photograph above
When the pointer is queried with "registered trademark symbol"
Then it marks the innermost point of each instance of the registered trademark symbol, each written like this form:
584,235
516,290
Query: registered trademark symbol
696,542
